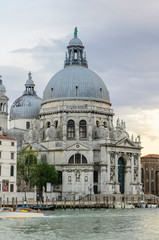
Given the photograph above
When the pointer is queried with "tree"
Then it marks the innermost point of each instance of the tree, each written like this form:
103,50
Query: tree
45,173
26,164
32,172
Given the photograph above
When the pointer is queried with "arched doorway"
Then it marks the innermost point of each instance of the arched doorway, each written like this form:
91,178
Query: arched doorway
121,173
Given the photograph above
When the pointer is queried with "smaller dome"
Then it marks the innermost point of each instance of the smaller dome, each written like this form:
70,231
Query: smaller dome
26,106
75,42
29,82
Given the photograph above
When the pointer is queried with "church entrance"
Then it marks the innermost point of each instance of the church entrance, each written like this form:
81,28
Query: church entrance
121,173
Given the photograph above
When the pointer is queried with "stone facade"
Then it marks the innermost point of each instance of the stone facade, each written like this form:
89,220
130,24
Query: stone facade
8,164
89,164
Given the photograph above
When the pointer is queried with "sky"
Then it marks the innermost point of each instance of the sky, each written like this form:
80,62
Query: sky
121,39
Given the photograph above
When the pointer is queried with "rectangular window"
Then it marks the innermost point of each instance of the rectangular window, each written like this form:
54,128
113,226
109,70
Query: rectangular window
12,155
0,154
27,125
12,143
11,187
152,188
0,170
147,187
0,142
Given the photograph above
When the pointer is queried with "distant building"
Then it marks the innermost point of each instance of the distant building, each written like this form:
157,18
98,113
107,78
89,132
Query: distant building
8,164
150,173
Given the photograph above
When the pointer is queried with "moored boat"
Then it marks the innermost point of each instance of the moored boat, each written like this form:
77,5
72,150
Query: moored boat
44,208
7,212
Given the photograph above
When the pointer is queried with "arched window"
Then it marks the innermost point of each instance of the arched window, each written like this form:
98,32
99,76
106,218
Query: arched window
71,129
84,160
71,160
105,124
48,124
82,129
12,171
97,123
147,180
152,181
77,159
56,124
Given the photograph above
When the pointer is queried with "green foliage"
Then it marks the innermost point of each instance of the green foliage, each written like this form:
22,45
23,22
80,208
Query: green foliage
31,172
26,165
45,173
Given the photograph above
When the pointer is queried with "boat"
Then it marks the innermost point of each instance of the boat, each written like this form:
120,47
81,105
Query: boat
8,212
124,205
117,205
152,205
44,208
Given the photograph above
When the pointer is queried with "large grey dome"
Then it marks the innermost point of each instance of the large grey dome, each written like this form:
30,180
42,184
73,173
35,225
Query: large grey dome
76,82
28,105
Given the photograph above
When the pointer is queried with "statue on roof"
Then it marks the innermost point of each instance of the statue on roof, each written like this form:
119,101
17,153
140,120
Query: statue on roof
30,75
75,32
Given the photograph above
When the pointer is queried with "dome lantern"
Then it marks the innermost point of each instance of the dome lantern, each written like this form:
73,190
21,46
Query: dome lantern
29,85
75,52
2,87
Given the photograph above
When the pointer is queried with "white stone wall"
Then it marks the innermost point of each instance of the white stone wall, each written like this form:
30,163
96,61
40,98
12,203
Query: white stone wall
102,147
6,149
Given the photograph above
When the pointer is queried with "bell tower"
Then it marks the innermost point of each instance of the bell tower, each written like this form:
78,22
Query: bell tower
3,108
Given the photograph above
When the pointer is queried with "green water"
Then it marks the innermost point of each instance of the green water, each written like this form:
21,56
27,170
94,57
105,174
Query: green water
85,224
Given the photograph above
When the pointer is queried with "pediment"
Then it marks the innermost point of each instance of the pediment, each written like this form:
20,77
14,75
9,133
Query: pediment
125,142
34,147
77,146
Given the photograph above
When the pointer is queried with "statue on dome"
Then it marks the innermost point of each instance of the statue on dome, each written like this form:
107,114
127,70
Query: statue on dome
30,75
75,32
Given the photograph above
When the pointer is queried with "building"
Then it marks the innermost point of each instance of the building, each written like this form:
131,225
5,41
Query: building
150,173
3,107
8,164
76,133
24,109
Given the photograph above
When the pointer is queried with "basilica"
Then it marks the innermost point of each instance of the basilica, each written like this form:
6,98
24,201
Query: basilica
72,128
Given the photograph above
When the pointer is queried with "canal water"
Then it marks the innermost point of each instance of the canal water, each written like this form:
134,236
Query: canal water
87,224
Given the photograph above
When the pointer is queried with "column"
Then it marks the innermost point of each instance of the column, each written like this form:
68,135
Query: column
103,155
77,128
132,168
103,179
89,127
108,167
64,127
139,169
128,178
116,167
